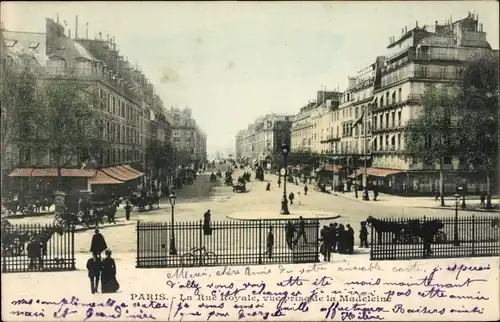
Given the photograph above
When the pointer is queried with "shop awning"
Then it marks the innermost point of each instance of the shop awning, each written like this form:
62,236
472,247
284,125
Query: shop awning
377,172
21,172
131,172
102,178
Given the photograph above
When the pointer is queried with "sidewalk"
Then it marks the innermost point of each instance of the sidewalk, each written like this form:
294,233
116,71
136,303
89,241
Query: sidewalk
473,203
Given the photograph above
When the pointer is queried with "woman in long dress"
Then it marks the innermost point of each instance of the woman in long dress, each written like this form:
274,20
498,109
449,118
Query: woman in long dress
109,284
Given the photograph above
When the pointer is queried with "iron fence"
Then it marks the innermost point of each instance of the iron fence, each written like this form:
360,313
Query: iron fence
414,238
43,248
229,243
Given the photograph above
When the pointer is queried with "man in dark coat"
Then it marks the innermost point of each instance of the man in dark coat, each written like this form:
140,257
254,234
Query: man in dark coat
128,209
305,190
289,233
363,235
334,236
98,244
268,186
302,230
34,250
291,196
206,223
270,242
350,239
94,270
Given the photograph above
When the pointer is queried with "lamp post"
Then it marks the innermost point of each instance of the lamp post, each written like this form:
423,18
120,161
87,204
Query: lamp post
284,202
455,233
173,249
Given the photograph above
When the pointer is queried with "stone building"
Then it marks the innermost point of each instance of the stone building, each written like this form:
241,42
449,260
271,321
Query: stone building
130,112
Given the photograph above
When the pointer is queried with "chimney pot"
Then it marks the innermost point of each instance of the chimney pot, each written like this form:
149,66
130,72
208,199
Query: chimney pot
76,27
69,33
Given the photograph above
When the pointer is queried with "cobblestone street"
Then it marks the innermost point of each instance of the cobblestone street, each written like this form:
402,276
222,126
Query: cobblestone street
194,200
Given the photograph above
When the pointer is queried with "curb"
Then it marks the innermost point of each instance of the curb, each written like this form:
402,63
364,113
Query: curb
460,209
33,215
121,224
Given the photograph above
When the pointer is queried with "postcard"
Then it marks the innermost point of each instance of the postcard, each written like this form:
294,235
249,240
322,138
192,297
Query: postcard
226,161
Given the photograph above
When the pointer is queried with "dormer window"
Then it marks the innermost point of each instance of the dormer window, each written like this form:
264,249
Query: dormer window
34,45
10,43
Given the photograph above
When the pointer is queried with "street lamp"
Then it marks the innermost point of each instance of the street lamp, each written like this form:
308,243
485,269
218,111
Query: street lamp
455,233
284,202
173,249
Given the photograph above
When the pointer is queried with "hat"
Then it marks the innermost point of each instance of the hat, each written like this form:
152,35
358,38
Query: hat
107,252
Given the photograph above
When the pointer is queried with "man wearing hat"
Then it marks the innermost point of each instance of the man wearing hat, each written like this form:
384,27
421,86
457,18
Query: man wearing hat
98,244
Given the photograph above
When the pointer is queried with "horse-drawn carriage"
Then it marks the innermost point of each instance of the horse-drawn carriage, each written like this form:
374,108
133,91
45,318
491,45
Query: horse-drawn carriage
239,187
29,204
14,240
409,232
142,202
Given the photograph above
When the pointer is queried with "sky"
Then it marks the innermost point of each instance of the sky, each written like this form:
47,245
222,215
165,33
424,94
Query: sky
231,62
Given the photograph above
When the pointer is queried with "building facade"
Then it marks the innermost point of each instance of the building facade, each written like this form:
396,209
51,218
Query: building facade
262,139
420,57
130,111
187,136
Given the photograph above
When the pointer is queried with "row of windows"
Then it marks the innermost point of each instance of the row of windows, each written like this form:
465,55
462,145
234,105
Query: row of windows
391,120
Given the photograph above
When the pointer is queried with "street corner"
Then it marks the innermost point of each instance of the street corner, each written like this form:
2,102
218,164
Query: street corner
274,215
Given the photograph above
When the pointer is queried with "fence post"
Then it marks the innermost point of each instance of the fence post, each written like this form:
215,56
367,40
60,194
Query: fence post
137,247
73,260
473,235
260,241
316,249
200,258
371,242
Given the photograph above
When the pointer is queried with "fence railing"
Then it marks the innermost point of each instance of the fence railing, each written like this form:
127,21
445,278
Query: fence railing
413,238
225,243
28,247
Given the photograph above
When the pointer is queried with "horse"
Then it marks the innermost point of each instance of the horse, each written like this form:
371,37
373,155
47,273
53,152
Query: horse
382,226
427,231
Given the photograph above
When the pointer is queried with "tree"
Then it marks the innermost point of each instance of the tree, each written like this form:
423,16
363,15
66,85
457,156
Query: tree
304,156
70,126
19,111
478,124
159,156
431,137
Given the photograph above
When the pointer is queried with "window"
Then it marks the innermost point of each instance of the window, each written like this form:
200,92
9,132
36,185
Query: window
400,94
399,141
423,71
399,118
381,121
10,43
447,160
387,120
393,119
443,72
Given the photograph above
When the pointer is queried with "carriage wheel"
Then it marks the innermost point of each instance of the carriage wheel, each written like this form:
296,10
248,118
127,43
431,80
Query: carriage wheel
188,260
440,237
210,259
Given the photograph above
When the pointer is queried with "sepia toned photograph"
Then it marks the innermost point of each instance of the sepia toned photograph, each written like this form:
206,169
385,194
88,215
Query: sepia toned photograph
226,161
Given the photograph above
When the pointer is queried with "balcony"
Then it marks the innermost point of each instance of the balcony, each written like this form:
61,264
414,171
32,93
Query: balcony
390,149
411,98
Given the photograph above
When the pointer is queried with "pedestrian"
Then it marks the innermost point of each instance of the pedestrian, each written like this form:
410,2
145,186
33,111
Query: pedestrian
291,196
322,239
111,210
334,231
289,233
305,189
270,242
341,239
350,239
94,270
98,244
109,284
128,209
279,183
363,235
375,193
483,198
207,216
34,250
438,195
298,197
268,186
302,231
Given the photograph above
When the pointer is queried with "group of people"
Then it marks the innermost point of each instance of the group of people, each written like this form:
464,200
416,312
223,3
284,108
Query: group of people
101,269
336,238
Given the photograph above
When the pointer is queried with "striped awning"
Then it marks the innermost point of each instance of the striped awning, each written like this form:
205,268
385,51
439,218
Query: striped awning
122,173
21,172
45,172
86,173
102,178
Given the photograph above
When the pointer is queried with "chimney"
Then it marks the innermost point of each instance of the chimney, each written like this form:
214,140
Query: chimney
57,17
100,35
76,27
87,30
406,29
69,33
416,23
